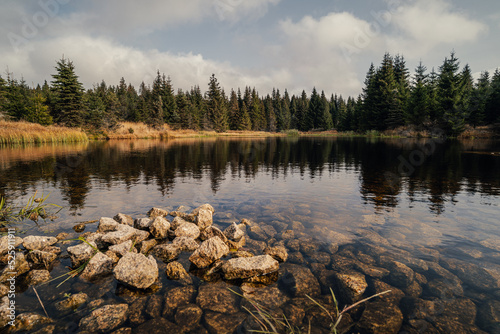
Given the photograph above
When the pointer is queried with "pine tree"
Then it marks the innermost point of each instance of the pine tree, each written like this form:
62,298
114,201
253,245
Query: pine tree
169,107
315,111
245,123
156,116
285,116
96,110
3,93
234,111
401,76
493,103
67,104
38,111
17,98
479,98
325,121
418,105
257,112
185,110
270,115
216,106
369,96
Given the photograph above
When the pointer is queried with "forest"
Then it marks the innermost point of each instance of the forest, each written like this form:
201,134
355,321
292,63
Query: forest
449,98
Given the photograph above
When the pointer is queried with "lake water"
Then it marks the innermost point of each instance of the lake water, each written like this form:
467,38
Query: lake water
431,205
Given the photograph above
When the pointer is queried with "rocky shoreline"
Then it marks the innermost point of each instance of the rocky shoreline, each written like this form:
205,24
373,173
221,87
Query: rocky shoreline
172,271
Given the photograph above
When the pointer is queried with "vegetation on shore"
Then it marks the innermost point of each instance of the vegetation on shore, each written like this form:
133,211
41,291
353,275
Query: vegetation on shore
32,133
447,99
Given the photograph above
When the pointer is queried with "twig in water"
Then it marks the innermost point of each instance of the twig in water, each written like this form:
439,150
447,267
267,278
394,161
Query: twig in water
37,296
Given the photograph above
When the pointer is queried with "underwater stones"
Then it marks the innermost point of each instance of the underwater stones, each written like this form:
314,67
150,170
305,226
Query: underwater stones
188,316
257,233
209,251
104,319
124,219
351,285
393,297
443,288
278,253
81,253
300,281
28,321
217,298
157,326
72,302
380,318
268,296
99,265
159,228
218,323
472,274
400,275
176,297
245,267
38,242
136,270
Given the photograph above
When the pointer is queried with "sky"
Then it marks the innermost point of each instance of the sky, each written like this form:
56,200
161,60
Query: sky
285,44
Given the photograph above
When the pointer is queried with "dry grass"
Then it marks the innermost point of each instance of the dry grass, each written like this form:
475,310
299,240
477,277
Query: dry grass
30,133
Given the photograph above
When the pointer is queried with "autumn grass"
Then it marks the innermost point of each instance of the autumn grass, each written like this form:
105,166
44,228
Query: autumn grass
31,133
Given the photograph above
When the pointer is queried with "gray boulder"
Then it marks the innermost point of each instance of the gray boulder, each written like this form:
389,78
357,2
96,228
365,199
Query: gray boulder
203,207
157,212
159,228
120,235
209,251
123,248
189,230
244,267
36,277
124,219
99,265
107,225
143,223
81,253
186,244
233,232
167,252
278,252
204,219
211,232
136,270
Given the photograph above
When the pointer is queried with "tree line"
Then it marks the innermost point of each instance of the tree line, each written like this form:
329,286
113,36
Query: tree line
391,97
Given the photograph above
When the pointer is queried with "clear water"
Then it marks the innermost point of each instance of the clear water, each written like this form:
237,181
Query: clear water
423,197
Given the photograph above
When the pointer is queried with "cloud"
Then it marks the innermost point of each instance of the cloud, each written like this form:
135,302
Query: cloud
426,24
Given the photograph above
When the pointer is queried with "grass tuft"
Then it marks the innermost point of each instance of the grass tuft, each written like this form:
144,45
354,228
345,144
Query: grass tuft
30,133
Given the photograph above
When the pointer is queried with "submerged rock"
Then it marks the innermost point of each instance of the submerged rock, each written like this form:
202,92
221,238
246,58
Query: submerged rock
217,298
400,275
245,267
40,257
188,316
208,252
351,285
72,302
28,321
38,242
300,281
380,318
218,323
136,270
176,297
473,274
279,253
175,271
104,319
268,296
157,326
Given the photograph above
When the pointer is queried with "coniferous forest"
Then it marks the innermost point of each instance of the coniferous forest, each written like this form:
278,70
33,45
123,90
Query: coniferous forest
448,98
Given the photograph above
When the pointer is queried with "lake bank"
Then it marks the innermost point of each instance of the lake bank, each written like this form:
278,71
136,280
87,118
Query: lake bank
30,133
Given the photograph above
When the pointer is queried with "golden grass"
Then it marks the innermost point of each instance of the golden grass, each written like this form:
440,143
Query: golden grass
31,133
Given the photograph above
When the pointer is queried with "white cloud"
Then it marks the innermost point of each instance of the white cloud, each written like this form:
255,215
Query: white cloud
426,24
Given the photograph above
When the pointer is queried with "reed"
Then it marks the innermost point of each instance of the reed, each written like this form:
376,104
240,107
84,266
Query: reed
31,133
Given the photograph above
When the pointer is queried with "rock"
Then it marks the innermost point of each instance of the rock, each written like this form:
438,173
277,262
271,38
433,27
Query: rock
112,256
462,310
167,252
241,253
256,245
294,314
189,230
233,232
211,232
351,286
176,297
72,302
209,251
124,219
4,290
28,321
100,265
218,323
9,240
47,329
135,313
279,253
393,297
81,253
157,212
489,316
36,277
203,207
236,244
123,248
15,269
472,274
293,245
443,288
40,257
256,232
400,275
413,290
157,326
245,267
154,306
416,308
371,271
296,257
5,312
120,235
147,245
269,296
269,230
175,271
188,316
286,235
159,228
300,281
79,228
186,244
176,222
104,319
62,236
136,270
308,246
380,318
204,219
217,298
123,330
143,223
38,242
107,225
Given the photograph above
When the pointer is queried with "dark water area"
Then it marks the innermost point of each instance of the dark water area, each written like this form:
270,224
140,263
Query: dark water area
430,205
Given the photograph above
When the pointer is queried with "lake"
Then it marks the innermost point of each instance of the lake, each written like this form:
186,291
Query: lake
420,216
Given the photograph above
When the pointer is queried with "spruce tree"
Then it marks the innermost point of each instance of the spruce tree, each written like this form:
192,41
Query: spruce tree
216,106
325,121
479,98
418,106
67,105
234,113
493,103
285,116
315,111
38,111
156,116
